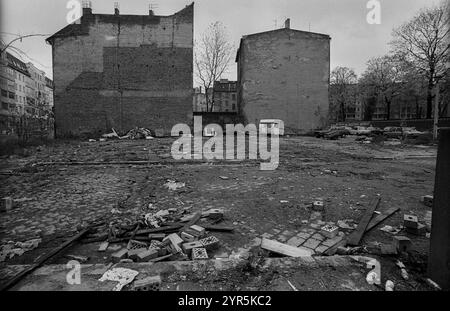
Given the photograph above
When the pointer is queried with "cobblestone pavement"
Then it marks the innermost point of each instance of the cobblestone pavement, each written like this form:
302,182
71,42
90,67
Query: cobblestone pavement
56,199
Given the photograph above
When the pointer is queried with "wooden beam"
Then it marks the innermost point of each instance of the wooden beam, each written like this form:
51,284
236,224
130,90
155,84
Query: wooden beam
42,259
355,237
284,249
218,228
375,221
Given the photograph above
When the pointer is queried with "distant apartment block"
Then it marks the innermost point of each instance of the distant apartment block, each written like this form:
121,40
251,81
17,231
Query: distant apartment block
225,96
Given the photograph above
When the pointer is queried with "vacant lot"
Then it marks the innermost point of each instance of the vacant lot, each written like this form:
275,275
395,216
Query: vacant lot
56,198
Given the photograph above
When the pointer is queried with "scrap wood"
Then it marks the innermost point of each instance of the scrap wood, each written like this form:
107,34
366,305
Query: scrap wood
218,228
42,259
284,249
379,218
160,229
355,237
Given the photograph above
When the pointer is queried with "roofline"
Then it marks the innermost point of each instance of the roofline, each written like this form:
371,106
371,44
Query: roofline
325,36
55,35
296,30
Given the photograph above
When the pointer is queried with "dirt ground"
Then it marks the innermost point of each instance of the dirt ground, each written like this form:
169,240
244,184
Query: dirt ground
345,174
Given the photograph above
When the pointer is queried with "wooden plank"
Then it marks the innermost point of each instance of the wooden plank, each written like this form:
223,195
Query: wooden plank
160,229
218,228
355,237
284,249
375,221
42,259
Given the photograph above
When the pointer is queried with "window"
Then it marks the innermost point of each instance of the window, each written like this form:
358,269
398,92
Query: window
234,106
12,95
4,93
5,106
233,96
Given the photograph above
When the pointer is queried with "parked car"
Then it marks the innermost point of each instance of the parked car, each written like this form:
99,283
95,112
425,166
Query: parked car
336,133
411,132
393,132
362,130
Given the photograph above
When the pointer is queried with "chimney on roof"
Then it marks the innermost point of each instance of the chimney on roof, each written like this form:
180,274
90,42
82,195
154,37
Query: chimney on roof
116,8
87,7
287,23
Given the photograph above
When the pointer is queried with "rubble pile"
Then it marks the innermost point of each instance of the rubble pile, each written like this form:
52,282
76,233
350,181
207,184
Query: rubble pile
170,234
11,248
135,133
390,136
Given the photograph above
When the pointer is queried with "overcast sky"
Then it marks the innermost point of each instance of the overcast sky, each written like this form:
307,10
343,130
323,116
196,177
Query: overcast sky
353,41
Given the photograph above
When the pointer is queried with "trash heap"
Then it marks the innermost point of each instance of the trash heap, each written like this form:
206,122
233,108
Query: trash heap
135,133
138,133
11,248
170,234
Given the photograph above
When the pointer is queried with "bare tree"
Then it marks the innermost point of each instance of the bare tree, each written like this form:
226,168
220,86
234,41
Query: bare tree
343,90
423,42
213,54
383,79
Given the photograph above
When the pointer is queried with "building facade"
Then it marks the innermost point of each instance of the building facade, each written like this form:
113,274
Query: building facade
225,96
122,71
199,101
284,74
21,92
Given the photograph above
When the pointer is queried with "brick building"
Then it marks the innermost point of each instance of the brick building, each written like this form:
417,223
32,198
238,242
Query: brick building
284,74
225,96
122,71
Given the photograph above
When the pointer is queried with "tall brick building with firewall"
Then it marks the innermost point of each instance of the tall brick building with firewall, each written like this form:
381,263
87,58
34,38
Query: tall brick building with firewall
122,71
284,74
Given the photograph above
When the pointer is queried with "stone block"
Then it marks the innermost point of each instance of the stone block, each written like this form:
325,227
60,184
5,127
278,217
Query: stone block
295,241
133,244
311,243
321,249
401,243
7,204
318,206
410,221
210,242
200,230
119,255
428,200
333,241
187,237
156,236
187,247
103,246
329,231
151,283
199,254
147,255
133,253
420,230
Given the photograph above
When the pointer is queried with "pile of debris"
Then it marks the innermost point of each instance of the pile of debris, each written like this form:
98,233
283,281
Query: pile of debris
136,133
11,248
164,235
368,134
